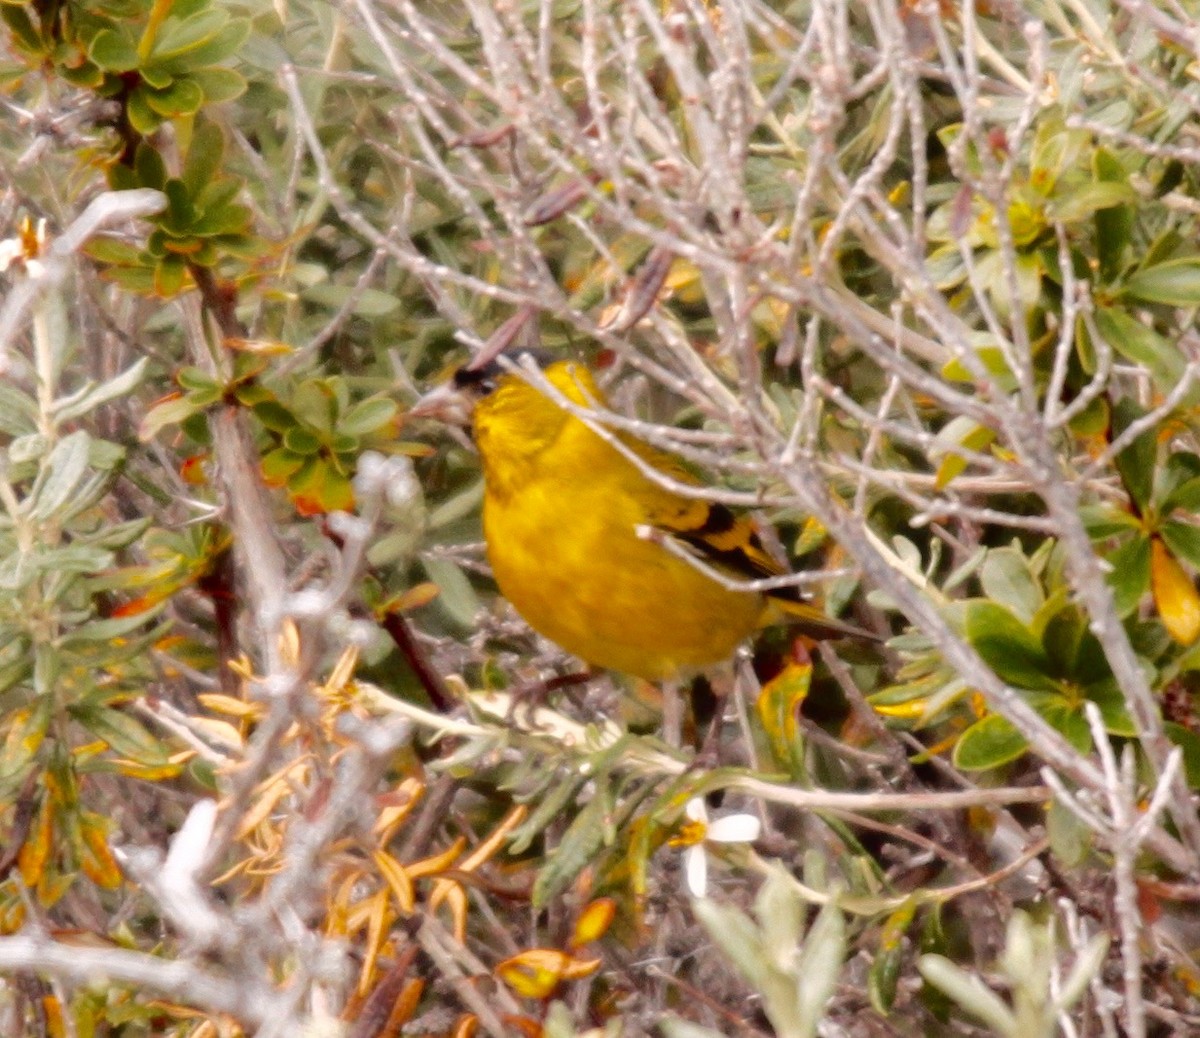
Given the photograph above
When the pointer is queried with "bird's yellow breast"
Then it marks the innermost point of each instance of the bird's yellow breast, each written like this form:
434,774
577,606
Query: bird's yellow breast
562,509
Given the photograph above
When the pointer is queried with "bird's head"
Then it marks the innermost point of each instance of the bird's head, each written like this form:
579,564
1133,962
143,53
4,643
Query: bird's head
511,412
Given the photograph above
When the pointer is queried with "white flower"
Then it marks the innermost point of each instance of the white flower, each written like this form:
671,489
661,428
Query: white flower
25,248
697,831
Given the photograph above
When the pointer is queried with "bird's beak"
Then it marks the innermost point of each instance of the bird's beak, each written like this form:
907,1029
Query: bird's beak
446,403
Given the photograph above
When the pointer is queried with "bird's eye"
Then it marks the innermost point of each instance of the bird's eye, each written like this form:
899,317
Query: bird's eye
478,382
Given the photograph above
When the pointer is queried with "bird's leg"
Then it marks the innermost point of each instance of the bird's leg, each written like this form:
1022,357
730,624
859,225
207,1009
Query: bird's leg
528,696
672,704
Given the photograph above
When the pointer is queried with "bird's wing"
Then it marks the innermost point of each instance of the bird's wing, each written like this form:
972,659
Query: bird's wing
717,536
730,544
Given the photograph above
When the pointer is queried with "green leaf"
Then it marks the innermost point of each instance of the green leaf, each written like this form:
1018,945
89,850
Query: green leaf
1062,640
969,992
216,49
133,279
1114,710
279,465
1181,483
182,97
1138,343
579,845
1189,741
1070,838
1056,149
821,959
1184,540
169,277
18,412
1114,226
300,440
1081,202
149,165
1008,646
1094,419
1066,717
178,37
1007,580
93,396
141,116
1174,283
119,535
65,469
314,403
367,416
369,303
274,416
24,32
104,249
457,598
74,558
891,954
113,51
738,938
108,629
988,743
1103,521
1137,462
1129,576
205,153
169,412
219,84
963,432
550,803
226,219
125,735
672,1027
156,77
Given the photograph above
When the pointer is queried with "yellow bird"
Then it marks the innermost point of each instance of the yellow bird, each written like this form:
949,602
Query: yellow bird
575,531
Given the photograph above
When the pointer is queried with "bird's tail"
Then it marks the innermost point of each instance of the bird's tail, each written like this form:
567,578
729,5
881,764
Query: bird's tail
808,619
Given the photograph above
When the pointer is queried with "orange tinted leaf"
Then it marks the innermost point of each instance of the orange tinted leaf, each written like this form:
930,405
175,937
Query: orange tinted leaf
26,730
265,347
454,896
35,852
273,790
140,605
397,880
405,1005
231,707
594,921
395,807
537,972
779,705
192,470
152,772
524,1025
53,886
492,844
467,1027
97,860
52,1008
413,598
439,862
377,934
1175,595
